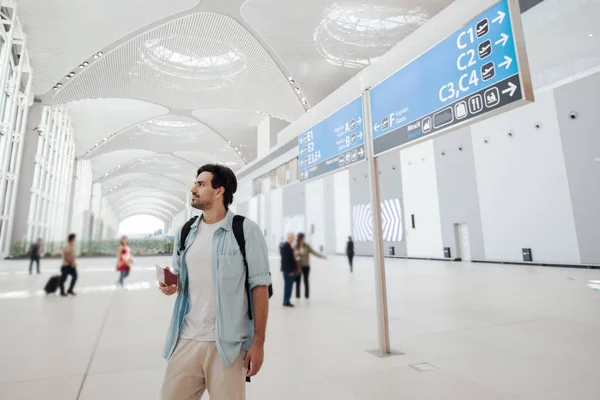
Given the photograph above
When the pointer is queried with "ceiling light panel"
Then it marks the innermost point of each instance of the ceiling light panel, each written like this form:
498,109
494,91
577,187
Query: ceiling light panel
52,47
200,61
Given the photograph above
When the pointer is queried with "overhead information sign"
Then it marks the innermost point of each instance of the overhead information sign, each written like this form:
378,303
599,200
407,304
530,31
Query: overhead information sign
333,143
473,72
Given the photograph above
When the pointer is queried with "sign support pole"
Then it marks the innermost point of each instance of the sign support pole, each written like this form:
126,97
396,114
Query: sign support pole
380,282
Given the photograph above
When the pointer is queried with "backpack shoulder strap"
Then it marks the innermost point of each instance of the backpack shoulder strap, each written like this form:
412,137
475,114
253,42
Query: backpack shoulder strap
185,231
238,232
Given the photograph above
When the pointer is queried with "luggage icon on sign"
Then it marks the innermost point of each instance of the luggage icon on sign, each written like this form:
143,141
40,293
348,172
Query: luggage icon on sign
460,110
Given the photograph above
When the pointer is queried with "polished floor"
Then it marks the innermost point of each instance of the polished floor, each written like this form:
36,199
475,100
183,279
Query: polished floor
467,331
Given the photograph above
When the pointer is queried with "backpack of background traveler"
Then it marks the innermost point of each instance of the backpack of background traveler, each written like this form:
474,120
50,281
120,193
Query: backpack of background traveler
52,284
238,232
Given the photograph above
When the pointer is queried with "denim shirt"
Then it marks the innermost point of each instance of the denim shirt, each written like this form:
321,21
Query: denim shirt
234,329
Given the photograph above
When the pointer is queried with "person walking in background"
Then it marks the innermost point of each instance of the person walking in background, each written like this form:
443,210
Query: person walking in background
69,265
35,252
289,268
350,251
124,259
303,252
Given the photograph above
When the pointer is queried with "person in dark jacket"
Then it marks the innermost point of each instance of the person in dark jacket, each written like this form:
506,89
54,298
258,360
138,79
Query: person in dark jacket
350,251
289,268
35,252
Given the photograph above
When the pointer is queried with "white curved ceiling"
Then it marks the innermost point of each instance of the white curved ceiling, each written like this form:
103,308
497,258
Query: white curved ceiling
155,164
64,33
165,205
199,61
186,82
105,165
172,133
145,181
163,216
97,120
132,193
326,42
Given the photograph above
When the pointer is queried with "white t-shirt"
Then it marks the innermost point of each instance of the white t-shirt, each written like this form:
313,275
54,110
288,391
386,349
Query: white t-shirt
200,321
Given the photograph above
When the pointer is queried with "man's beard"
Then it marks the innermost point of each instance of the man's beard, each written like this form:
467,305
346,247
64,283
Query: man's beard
201,205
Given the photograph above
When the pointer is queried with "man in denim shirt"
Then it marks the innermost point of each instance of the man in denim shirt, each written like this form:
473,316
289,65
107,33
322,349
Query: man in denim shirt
212,344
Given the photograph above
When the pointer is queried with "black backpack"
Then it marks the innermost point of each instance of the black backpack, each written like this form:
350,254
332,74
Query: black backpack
238,232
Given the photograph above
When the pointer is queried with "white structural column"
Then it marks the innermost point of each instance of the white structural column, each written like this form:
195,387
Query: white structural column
12,178
15,100
82,198
51,187
266,134
96,211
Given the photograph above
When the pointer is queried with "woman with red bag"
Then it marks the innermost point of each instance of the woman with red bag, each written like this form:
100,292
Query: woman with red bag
124,259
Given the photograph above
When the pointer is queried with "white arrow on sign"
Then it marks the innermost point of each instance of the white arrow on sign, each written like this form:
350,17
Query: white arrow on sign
507,62
500,17
359,121
361,152
376,127
511,89
360,135
503,39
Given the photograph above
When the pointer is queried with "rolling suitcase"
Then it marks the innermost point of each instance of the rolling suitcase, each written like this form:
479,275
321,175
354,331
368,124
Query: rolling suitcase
52,284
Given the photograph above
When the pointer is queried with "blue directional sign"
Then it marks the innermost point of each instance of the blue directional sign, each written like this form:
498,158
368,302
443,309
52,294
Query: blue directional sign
470,73
333,143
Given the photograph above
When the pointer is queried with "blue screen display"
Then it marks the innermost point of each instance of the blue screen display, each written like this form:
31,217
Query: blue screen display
469,73
333,143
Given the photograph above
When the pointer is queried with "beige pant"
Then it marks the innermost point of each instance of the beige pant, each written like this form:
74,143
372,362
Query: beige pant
196,367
